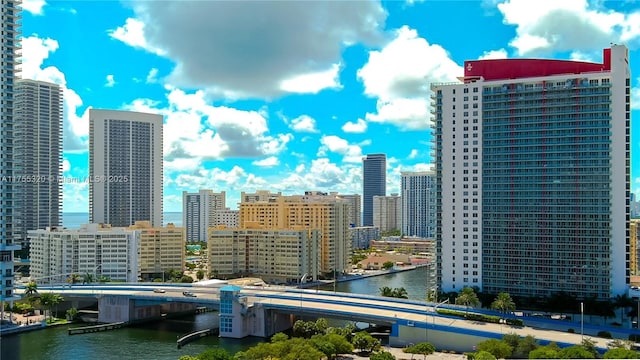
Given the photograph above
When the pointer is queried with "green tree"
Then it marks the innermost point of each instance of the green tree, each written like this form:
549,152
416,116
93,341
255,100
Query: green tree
365,342
186,279
550,351
503,303
72,314
483,355
386,291
525,346
575,352
468,297
590,346
200,275
387,265
423,348
383,355
31,289
619,353
498,348
400,293
103,279
48,301
279,337
75,279
214,354
88,278
622,302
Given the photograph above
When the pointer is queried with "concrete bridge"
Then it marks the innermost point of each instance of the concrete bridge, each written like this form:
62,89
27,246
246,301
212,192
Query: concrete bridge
258,311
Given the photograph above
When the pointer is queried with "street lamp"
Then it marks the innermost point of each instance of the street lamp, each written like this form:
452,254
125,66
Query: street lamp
582,320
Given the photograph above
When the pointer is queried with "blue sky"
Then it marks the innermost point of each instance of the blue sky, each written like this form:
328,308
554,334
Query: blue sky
288,96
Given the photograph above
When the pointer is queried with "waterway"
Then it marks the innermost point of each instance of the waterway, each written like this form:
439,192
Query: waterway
157,341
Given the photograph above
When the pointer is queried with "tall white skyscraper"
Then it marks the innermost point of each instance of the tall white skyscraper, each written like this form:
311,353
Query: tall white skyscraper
10,14
387,212
533,176
37,149
199,212
418,204
125,167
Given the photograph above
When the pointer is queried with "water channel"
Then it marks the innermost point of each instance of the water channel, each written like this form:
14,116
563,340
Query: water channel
157,341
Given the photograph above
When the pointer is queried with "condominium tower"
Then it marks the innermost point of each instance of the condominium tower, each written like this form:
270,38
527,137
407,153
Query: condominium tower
37,150
355,201
125,167
532,166
418,204
199,212
374,183
10,14
387,212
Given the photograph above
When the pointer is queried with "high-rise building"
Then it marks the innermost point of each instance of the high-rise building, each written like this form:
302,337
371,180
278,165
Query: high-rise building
355,201
161,249
374,183
418,203
634,248
199,212
362,236
260,195
10,14
387,212
125,167
37,149
327,213
227,217
533,180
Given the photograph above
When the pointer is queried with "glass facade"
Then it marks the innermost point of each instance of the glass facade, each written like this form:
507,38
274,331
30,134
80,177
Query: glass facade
374,183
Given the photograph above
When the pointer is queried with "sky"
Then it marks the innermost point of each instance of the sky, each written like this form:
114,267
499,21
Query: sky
290,95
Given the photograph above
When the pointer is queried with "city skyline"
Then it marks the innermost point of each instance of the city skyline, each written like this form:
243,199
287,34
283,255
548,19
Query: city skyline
302,117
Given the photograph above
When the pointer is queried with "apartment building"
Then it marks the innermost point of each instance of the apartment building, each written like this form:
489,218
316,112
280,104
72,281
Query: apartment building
533,176
199,212
362,236
326,213
275,255
161,249
96,249
125,167
387,212
418,203
355,202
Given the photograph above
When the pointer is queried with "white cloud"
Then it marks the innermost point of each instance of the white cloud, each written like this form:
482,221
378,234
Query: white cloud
75,128
196,131
304,123
110,81
635,95
400,74
350,153
295,47
494,54
132,34
359,126
35,7
268,162
152,77
312,83
569,25
66,166
413,154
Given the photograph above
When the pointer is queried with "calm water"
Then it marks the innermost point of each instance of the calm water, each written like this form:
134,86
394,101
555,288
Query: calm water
158,340
74,220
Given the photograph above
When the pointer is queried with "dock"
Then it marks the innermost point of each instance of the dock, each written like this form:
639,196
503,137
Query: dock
96,328
196,335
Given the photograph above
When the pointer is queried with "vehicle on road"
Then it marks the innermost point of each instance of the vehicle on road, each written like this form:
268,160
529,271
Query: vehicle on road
189,294
160,291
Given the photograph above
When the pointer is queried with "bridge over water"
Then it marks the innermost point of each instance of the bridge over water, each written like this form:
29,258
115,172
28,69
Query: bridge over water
258,311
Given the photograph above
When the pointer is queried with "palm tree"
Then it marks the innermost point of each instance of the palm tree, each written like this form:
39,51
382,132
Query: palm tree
622,302
75,278
503,303
386,291
31,289
467,297
56,299
400,293
45,302
88,278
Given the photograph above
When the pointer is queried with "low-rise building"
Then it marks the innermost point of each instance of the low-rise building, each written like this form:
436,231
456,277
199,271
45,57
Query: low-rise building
412,245
161,249
275,255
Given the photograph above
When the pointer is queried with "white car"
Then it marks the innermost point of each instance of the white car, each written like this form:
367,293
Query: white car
160,291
